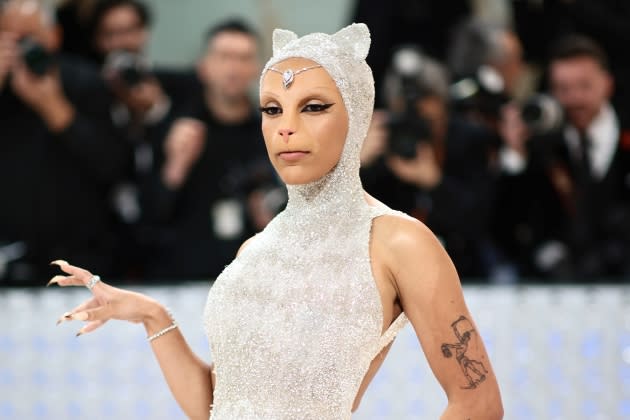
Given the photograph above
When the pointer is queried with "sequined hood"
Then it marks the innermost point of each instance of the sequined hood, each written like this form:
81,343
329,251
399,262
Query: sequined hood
342,55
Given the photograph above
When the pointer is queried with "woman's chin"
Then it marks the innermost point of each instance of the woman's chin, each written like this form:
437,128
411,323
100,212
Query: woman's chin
303,174
298,180
298,177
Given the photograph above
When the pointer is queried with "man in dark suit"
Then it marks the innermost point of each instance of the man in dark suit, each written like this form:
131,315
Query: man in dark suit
569,190
539,23
57,159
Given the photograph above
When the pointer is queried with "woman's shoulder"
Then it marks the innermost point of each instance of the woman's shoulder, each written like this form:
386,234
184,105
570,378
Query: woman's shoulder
410,251
399,231
401,235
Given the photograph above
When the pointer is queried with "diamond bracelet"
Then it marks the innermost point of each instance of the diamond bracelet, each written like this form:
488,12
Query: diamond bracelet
165,330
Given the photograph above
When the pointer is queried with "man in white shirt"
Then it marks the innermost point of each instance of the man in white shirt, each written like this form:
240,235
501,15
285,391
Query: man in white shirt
569,190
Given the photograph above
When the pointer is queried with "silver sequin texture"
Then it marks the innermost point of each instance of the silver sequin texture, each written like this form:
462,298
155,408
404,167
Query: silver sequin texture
295,320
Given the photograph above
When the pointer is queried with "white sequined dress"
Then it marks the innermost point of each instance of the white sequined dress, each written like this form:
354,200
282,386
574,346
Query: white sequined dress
295,320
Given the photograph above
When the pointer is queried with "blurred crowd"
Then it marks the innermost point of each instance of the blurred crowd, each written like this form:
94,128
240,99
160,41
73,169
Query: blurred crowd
510,141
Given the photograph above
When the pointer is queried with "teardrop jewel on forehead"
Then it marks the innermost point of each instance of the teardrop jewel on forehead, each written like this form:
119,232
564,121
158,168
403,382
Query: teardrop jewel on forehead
288,75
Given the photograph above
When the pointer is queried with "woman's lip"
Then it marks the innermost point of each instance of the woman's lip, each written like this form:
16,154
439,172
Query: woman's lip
292,156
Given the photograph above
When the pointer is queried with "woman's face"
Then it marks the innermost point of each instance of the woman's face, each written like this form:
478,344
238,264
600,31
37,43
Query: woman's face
304,126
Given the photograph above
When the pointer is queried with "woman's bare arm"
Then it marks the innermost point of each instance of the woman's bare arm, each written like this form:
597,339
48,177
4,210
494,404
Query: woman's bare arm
431,296
188,377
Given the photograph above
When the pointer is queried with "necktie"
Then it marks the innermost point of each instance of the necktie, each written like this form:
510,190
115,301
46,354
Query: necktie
582,220
584,163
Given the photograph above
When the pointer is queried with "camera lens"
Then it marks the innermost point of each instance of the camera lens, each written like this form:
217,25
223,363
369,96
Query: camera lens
35,56
406,131
541,114
130,67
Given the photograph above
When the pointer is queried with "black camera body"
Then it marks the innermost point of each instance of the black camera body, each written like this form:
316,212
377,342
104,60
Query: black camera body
482,93
406,131
407,128
37,59
131,68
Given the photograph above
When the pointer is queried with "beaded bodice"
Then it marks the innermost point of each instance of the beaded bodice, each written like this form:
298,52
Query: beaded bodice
296,319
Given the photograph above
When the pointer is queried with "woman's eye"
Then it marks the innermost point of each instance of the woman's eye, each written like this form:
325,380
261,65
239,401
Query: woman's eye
316,107
270,110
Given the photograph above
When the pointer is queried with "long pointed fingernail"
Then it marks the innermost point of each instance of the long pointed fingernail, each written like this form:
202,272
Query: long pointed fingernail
59,262
65,317
55,280
80,332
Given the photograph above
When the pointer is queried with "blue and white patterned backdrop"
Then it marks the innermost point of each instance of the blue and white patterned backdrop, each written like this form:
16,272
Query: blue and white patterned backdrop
559,353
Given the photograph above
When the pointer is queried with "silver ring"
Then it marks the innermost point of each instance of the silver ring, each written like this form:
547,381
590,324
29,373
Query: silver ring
93,280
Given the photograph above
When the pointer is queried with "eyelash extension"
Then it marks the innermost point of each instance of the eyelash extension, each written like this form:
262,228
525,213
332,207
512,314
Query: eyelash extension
275,110
270,110
318,107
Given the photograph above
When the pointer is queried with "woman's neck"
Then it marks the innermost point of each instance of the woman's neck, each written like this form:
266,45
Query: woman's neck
333,196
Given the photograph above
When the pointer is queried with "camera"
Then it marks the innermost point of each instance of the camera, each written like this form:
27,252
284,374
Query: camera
482,92
405,132
541,114
131,68
407,82
37,59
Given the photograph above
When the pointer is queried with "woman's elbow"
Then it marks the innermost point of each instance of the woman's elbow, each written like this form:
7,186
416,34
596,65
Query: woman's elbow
490,409
486,407
495,412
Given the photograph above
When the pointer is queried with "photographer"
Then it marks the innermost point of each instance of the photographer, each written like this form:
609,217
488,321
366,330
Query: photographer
564,194
221,186
144,103
120,31
58,158
487,72
420,159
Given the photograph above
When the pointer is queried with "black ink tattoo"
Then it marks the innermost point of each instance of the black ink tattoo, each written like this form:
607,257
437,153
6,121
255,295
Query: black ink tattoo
473,370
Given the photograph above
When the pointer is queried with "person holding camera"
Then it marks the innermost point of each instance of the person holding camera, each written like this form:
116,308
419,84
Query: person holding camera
59,160
564,194
224,190
120,31
418,158
144,103
119,38
485,60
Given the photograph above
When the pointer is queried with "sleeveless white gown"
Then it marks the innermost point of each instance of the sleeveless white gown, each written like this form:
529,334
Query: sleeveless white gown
296,319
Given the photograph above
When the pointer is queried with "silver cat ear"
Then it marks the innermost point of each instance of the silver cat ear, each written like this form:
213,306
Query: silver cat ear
354,38
281,37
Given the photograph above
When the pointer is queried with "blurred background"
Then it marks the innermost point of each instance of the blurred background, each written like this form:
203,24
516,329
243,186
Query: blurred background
130,144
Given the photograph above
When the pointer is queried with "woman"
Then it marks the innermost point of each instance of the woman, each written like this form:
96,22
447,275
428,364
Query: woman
302,319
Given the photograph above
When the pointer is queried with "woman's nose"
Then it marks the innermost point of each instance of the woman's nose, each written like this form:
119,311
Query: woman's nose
285,133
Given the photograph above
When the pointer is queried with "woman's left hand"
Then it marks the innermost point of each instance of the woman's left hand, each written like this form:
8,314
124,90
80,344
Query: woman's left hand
107,302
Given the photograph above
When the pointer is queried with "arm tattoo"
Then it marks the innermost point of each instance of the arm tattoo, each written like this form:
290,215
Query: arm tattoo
473,370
